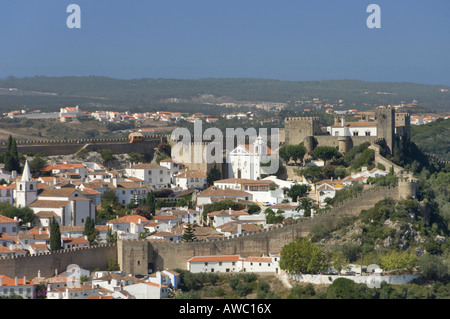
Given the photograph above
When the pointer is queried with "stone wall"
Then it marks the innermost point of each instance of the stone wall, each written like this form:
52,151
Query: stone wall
86,257
68,147
162,255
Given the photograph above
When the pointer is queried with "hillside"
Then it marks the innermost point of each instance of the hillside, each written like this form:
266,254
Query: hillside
49,93
433,138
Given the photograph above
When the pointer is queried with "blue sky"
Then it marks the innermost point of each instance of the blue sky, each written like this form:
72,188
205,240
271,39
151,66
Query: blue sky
284,39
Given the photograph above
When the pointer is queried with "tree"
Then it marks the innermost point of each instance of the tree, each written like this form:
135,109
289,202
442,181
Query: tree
90,231
36,164
302,256
188,234
11,157
254,209
110,199
272,217
432,267
297,190
150,202
55,235
213,175
306,205
110,236
326,153
400,261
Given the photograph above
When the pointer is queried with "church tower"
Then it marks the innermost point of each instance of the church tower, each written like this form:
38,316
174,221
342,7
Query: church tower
26,188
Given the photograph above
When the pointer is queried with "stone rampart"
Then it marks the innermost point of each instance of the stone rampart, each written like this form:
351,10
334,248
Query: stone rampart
49,263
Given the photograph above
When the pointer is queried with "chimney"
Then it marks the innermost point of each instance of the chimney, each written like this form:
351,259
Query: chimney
40,230
1,283
24,280
229,211
39,274
15,282
239,229
343,121
13,174
114,181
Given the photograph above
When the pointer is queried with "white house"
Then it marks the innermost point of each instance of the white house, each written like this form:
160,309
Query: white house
360,128
153,175
187,179
210,194
129,226
16,286
148,290
227,263
6,194
168,278
261,190
261,264
9,226
81,292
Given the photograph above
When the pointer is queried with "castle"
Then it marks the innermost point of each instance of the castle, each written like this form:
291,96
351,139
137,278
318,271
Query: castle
387,129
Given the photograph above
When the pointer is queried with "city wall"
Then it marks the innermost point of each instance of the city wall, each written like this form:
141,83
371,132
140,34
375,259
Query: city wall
50,263
68,147
135,255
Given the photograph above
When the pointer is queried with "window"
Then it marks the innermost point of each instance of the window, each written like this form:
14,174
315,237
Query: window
367,133
233,263
206,263
220,263
31,187
3,229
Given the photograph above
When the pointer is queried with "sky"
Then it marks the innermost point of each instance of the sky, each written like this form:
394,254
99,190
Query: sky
294,40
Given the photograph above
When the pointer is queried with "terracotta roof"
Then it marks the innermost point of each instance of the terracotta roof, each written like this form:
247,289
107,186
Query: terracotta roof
193,173
215,191
148,166
7,281
57,192
154,285
46,214
243,181
215,258
244,228
40,247
81,240
129,219
4,219
49,203
259,259
356,124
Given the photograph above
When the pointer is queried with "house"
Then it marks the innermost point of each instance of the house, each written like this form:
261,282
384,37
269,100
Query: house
234,263
153,175
168,236
148,290
261,190
227,263
167,278
9,226
80,292
114,281
238,229
74,242
289,210
16,286
128,226
188,179
219,218
208,195
261,264
6,194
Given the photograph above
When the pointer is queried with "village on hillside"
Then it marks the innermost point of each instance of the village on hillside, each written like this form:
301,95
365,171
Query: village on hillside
161,200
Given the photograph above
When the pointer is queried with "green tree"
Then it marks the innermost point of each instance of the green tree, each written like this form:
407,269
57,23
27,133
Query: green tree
188,234
302,256
272,217
113,265
90,231
306,205
213,175
403,261
111,237
36,164
432,267
297,190
55,235
11,157
110,199
326,153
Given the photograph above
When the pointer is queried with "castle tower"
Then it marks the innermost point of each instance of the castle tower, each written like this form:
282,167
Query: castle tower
26,188
385,117
298,128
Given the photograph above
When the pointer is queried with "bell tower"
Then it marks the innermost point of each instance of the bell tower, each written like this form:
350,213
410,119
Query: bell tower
26,188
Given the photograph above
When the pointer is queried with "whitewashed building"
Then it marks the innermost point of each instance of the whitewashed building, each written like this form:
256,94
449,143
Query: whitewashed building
153,175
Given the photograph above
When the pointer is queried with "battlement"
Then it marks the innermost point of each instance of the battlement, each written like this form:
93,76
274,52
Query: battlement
306,119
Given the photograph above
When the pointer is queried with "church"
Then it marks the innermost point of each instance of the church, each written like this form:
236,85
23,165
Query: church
67,205
245,160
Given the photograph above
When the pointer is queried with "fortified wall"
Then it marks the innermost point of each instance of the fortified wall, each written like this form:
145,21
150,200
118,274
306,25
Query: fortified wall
138,256
50,263
68,147
142,256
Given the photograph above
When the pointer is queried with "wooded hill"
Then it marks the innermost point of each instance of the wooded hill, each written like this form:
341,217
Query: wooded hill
94,92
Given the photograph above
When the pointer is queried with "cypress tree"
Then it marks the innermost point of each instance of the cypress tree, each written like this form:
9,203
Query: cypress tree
11,158
55,235
90,231
188,234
